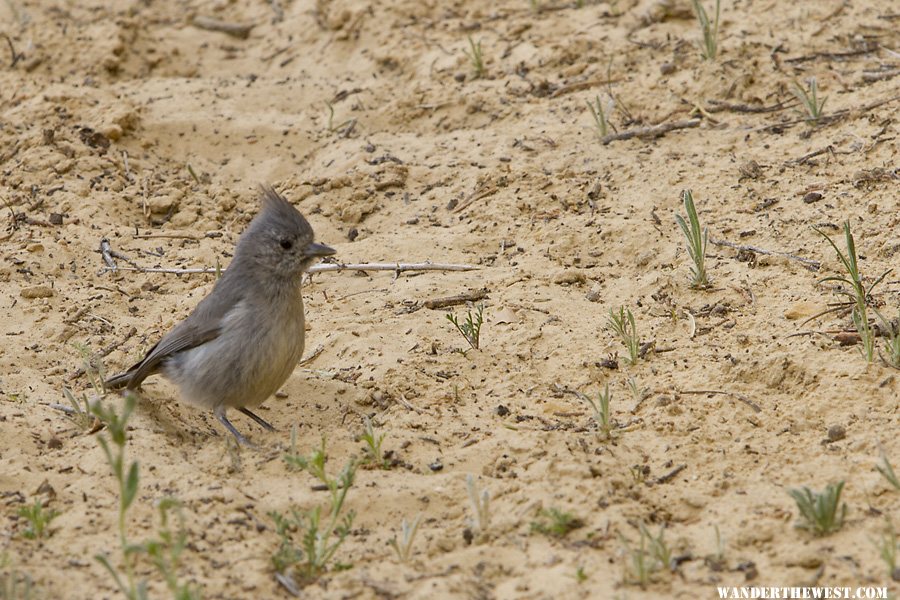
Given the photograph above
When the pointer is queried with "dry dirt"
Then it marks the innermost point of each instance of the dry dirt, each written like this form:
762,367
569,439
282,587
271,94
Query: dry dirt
131,120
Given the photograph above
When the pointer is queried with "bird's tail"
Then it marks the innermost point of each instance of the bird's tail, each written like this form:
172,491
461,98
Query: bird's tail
119,381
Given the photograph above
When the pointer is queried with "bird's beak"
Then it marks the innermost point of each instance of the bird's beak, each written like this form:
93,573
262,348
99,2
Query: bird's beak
316,249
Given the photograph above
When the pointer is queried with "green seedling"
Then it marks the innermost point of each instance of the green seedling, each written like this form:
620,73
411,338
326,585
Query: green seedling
15,585
696,240
481,505
556,523
403,546
859,296
374,455
600,412
887,471
891,335
580,575
649,557
38,520
600,119
470,329
809,99
709,47
309,539
820,513
476,57
887,550
622,323
163,552
638,393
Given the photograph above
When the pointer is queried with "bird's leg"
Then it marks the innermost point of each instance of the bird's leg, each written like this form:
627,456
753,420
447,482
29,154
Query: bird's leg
220,415
262,422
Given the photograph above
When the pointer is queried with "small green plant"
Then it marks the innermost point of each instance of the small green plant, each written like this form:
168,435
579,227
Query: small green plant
471,327
81,407
164,552
14,584
476,57
809,99
709,47
556,523
403,546
38,520
320,536
820,513
622,323
891,336
374,455
650,556
887,550
481,505
638,393
600,410
127,478
332,128
580,575
887,471
696,240
859,296
599,114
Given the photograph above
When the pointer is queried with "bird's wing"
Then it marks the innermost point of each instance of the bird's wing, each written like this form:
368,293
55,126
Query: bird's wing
200,327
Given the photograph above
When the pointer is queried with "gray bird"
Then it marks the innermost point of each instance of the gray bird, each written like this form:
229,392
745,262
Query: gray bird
244,339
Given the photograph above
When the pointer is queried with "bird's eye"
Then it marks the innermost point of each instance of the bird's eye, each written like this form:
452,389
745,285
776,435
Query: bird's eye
286,244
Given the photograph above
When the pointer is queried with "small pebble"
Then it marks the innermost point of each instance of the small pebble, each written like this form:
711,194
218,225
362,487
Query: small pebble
436,466
836,433
812,197
37,291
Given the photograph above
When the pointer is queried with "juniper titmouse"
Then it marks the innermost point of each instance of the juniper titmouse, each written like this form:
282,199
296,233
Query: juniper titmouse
243,340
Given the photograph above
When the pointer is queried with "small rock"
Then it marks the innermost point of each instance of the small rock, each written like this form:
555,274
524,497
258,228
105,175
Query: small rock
812,197
800,310
569,277
667,68
436,466
55,219
501,410
36,247
37,291
836,433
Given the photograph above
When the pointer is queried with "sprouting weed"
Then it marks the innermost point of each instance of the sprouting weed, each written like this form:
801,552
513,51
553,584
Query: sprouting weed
649,557
709,47
374,455
308,539
622,323
820,512
696,240
403,546
891,334
38,520
600,113
481,505
471,327
476,57
887,471
600,410
556,523
859,295
809,98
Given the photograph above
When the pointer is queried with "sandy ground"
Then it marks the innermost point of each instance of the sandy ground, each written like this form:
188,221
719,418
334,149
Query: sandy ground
134,125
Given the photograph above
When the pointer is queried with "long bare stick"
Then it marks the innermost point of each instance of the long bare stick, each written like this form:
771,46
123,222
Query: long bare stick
329,267
650,132
812,264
